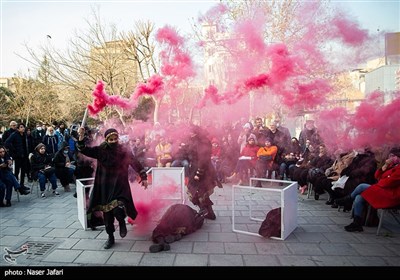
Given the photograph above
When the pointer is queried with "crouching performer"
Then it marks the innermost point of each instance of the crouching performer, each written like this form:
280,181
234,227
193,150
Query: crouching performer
179,220
111,191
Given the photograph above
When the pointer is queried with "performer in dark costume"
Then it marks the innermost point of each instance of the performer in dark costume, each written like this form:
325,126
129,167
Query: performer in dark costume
202,178
179,220
111,191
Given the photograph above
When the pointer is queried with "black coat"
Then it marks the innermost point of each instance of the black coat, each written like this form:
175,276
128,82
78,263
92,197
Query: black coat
111,182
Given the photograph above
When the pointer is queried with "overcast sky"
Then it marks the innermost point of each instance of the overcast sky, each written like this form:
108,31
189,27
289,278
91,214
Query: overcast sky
31,21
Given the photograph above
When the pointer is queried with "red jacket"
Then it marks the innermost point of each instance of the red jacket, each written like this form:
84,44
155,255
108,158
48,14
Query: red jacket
385,193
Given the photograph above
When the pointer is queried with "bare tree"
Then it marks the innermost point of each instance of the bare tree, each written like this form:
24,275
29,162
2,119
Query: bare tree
91,55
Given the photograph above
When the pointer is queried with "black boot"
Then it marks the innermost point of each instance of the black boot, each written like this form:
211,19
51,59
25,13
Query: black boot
210,213
159,246
23,191
356,225
122,228
110,241
330,201
344,200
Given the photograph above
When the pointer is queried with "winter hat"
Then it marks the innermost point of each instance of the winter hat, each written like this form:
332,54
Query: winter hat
109,132
37,148
247,126
395,151
252,136
268,139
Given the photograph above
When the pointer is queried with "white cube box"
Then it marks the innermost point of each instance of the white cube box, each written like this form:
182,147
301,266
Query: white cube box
259,201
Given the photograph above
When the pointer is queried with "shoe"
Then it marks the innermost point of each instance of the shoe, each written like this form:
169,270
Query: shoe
75,195
109,243
303,189
344,200
330,201
169,239
43,195
210,213
25,188
316,196
155,248
56,193
122,229
23,192
8,203
334,205
355,225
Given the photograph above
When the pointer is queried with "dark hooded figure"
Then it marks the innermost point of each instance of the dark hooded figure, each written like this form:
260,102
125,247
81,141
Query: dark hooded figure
177,221
64,165
202,176
111,191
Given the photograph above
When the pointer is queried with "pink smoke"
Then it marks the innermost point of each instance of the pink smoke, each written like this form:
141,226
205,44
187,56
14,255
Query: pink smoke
153,86
348,31
102,99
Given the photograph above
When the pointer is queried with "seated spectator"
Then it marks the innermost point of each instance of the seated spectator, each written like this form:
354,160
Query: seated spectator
289,158
43,170
8,178
246,162
265,160
217,154
163,153
383,194
181,158
64,167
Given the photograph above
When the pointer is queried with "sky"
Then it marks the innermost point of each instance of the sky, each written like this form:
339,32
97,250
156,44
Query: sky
31,21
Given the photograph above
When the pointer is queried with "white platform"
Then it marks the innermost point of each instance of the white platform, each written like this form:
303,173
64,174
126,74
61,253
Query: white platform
172,178
81,186
259,201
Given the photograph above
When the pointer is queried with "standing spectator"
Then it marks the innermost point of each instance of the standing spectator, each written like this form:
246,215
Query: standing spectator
8,132
310,133
38,134
62,134
111,190
18,148
51,141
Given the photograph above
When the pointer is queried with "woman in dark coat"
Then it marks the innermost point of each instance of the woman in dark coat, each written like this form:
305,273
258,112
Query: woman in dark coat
202,178
64,166
111,191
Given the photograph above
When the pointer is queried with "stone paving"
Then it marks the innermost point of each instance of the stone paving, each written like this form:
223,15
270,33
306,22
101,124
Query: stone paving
51,224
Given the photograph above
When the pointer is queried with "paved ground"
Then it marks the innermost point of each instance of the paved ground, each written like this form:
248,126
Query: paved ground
55,238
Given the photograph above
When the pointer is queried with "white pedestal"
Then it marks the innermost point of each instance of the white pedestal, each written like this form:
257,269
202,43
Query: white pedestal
81,186
273,194
169,178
